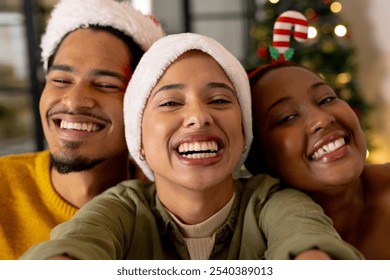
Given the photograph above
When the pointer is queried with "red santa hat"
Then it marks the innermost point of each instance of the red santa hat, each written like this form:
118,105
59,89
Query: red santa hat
69,15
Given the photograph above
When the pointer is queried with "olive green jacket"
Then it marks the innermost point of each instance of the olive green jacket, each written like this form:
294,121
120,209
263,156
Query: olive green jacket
129,222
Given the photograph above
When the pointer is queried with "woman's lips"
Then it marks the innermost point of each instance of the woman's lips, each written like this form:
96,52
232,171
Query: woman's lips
327,148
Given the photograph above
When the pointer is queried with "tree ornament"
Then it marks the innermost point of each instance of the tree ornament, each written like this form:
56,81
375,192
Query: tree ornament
327,2
262,51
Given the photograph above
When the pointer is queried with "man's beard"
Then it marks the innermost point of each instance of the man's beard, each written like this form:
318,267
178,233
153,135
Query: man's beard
64,165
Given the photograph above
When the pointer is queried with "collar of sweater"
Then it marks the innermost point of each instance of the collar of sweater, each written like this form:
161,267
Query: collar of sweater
206,228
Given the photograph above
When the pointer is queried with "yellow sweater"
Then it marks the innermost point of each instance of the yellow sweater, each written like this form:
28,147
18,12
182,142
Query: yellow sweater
29,205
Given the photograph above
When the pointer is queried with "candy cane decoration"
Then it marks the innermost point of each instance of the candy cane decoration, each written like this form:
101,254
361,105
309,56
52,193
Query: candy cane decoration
280,50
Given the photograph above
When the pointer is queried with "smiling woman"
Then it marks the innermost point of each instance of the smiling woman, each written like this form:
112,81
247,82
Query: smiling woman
312,140
200,116
188,125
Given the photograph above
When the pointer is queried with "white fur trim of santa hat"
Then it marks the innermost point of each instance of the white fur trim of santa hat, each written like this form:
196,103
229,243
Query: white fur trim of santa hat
153,65
69,15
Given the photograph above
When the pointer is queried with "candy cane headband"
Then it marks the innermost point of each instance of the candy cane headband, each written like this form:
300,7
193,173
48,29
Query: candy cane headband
280,51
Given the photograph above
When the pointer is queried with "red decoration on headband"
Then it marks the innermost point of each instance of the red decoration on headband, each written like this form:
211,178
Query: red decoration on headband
280,50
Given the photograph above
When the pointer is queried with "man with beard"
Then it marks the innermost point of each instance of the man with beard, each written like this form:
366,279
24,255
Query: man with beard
89,52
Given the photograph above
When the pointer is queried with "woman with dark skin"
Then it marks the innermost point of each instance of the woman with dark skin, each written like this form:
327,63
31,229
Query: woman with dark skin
312,140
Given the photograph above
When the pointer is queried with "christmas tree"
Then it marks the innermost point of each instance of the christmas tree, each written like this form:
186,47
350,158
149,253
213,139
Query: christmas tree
329,51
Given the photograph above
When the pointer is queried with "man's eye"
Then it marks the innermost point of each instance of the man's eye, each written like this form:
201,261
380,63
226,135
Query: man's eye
61,81
107,86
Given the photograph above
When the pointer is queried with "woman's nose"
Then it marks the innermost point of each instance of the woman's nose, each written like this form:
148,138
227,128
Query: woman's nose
318,120
197,115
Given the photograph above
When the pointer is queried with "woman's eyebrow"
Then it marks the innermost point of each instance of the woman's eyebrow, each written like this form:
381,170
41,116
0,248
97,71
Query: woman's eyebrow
278,102
317,84
220,85
210,85
169,87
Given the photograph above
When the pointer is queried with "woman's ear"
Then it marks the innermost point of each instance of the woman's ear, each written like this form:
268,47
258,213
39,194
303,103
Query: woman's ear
142,154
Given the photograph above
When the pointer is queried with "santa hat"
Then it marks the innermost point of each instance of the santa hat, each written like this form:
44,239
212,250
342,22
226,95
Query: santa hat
69,15
153,65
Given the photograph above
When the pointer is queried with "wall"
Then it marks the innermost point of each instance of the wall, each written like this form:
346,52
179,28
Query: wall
369,22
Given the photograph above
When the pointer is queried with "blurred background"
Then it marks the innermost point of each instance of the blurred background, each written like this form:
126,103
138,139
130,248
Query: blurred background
348,45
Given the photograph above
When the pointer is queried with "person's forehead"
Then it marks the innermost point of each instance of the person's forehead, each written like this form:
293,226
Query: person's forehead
100,41
194,55
195,60
291,73
83,34
288,77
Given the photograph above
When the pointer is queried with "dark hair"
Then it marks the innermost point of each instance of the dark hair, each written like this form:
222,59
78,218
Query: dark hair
134,48
256,160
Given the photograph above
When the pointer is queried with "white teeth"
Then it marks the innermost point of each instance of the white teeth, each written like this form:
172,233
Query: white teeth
204,149
79,126
201,155
328,148
339,142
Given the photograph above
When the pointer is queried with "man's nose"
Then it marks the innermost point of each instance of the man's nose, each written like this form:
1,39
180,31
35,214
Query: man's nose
78,97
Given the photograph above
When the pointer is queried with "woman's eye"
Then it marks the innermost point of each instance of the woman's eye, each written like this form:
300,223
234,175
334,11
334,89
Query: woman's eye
327,100
220,101
287,119
169,104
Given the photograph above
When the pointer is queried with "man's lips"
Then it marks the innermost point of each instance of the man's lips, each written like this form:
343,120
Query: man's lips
83,122
81,126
